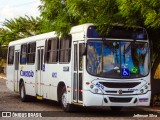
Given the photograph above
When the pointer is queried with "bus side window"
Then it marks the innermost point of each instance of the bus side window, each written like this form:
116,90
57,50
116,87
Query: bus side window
81,53
11,55
31,52
65,50
52,51
45,54
23,58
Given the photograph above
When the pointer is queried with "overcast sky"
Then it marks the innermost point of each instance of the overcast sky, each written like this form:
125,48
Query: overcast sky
16,8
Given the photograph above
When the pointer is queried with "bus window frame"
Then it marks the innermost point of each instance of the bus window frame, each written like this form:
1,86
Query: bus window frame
10,64
31,53
46,59
23,54
69,37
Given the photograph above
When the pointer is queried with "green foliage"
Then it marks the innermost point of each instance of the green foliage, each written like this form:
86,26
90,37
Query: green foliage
66,13
20,28
55,12
63,14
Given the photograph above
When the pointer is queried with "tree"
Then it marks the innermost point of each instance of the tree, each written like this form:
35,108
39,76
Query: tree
20,28
55,14
63,14
3,49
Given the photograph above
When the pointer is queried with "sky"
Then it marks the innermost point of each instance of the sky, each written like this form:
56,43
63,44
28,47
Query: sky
10,9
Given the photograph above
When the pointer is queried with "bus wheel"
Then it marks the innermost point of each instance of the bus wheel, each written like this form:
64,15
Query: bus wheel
116,108
23,95
66,106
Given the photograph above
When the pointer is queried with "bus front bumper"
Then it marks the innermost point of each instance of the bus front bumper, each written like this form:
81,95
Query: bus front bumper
91,99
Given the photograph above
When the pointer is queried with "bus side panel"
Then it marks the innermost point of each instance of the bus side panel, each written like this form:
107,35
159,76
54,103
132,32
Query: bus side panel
45,83
10,77
53,75
10,68
49,81
64,74
28,74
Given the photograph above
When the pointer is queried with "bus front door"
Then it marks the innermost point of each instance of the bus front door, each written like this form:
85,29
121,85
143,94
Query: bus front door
16,68
78,72
39,70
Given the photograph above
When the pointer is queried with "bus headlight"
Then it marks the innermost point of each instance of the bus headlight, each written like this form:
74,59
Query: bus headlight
95,89
144,89
91,86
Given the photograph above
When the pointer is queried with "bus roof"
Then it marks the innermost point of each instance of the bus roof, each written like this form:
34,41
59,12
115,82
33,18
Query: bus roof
33,38
75,29
80,28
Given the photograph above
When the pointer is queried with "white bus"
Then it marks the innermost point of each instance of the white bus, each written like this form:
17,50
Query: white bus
84,68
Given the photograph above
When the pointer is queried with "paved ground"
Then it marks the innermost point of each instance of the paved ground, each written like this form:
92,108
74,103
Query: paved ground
10,102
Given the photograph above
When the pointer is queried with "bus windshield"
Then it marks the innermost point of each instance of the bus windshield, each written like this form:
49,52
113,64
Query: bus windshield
117,59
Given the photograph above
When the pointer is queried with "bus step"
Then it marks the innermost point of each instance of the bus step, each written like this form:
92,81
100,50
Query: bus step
75,103
39,97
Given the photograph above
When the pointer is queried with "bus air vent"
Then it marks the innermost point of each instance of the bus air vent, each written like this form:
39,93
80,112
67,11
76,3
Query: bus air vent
116,91
119,85
114,99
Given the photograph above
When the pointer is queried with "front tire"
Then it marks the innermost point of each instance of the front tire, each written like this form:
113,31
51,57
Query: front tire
66,106
23,95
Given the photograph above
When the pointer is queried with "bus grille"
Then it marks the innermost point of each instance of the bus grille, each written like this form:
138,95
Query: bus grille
113,99
116,91
119,85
